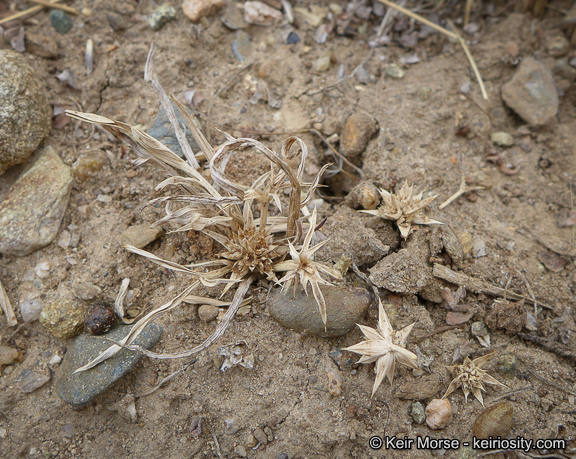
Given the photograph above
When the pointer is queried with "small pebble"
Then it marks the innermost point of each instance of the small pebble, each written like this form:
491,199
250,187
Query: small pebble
197,9
364,196
557,46
259,13
161,16
99,319
343,359
29,381
321,64
140,235
260,436
394,71
311,14
55,360
478,248
63,318
104,198
502,139
31,309
334,382
507,365
232,17
208,313
417,412
495,421
116,21
293,38
86,291
242,46
359,129
438,413
7,355
61,21
240,451
480,331
300,313
466,87
3,432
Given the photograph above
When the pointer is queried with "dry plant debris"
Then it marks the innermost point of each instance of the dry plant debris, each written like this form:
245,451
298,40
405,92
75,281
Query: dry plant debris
471,377
405,208
384,346
254,242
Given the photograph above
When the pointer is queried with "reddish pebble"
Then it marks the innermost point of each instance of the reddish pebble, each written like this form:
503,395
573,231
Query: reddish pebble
438,413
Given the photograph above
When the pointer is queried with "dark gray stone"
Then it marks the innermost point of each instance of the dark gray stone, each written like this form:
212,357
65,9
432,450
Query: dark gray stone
25,115
61,21
531,93
345,307
162,131
81,388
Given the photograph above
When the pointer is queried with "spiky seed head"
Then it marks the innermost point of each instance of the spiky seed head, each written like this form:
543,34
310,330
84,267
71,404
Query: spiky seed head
251,250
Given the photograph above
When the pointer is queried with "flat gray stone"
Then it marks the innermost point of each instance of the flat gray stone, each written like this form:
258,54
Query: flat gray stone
81,388
32,212
345,307
25,115
162,131
531,93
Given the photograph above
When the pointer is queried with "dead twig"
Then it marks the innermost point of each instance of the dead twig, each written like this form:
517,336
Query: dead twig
471,60
419,18
50,4
7,307
551,346
443,329
28,12
462,190
479,286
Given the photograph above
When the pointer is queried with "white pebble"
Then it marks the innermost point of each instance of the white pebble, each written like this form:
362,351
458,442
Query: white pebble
42,269
31,309
55,360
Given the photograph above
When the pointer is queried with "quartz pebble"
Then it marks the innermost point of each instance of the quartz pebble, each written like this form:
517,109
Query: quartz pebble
438,413
259,13
31,309
502,139
197,9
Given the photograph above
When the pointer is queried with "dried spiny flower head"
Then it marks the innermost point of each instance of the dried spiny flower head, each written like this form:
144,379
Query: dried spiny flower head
405,208
302,269
471,377
384,346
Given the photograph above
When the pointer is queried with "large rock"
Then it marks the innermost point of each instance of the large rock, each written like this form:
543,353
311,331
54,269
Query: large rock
31,213
25,114
81,388
345,307
531,93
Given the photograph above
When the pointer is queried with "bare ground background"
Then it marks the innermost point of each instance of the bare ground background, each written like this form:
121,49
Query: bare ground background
420,117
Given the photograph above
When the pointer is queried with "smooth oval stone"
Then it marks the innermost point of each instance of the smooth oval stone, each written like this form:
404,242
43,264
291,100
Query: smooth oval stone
345,306
61,21
495,421
31,213
81,388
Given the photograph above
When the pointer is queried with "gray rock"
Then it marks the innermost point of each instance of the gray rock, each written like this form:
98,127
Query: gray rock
161,15
242,46
417,412
531,93
61,21
81,388
345,307
25,114
32,212
208,313
358,130
162,131
116,21
140,235
29,381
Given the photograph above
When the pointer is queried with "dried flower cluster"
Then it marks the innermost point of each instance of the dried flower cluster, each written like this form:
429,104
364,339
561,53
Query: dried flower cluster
254,242
405,208
384,346
471,377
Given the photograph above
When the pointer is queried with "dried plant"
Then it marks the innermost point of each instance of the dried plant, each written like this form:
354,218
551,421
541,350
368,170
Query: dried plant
384,346
254,243
471,377
405,208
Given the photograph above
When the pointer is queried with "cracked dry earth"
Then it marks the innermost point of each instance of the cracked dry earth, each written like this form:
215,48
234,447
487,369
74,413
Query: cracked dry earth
429,133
